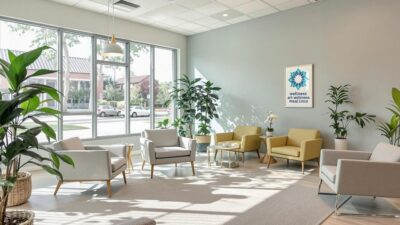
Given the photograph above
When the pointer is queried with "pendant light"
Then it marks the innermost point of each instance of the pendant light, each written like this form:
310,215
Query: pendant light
112,48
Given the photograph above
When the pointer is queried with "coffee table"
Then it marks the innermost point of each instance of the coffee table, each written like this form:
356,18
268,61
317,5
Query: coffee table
224,148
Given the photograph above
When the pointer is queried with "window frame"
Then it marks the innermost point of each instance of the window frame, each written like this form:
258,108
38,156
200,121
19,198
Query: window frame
94,62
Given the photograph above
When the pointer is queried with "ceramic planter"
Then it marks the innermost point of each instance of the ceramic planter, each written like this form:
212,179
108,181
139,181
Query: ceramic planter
341,144
269,133
203,141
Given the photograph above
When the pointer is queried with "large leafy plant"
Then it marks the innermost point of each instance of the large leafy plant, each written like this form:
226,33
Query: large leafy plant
206,107
24,105
391,129
341,119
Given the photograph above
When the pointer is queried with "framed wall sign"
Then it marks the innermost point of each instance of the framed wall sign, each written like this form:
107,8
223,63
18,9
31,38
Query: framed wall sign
299,86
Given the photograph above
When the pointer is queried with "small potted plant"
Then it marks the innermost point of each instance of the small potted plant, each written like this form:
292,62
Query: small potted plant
270,119
16,139
341,119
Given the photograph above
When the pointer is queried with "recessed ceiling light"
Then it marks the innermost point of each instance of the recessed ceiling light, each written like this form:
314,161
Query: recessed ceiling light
225,15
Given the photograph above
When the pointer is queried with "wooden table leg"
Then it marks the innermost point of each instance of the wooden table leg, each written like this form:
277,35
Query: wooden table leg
265,159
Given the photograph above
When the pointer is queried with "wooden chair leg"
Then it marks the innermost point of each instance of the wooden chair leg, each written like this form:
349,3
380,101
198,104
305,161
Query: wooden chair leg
124,175
258,154
144,162
302,167
57,187
287,162
243,157
269,161
152,171
215,156
318,162
109,191
192,167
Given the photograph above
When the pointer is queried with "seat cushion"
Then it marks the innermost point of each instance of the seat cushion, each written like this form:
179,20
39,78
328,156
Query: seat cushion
287,150
385,153
171,152
162,137
296,136
73,143
329,172
117,162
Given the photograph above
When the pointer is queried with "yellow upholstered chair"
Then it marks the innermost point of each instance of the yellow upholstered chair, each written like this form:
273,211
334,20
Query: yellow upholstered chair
247,137
300,145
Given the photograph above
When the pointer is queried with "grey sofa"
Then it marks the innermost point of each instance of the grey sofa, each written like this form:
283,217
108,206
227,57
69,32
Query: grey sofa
92,162
361,173
165,146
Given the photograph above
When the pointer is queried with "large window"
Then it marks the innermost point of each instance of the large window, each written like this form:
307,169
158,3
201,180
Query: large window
102,96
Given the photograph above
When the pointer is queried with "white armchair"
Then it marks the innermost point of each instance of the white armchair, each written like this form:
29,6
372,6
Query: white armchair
92,162
165,147
361,173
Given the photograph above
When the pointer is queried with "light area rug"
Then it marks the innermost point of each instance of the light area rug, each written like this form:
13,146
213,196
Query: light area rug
250,194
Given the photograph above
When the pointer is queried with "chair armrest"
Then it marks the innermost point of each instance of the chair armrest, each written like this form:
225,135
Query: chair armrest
89,165
250,142
330,157
115,150
310,149
276,142
147,150
368,178
190,144
228,136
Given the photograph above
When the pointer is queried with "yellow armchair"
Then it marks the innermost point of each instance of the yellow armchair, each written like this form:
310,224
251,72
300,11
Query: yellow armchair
300,145
247,137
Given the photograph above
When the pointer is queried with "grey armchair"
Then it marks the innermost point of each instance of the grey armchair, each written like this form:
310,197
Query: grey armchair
92,162
361,173
165,146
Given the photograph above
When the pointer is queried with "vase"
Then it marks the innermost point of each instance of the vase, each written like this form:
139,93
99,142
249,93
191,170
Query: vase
340,144
269,133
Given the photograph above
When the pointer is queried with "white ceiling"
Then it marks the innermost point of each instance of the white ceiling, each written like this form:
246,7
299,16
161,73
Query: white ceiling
191,16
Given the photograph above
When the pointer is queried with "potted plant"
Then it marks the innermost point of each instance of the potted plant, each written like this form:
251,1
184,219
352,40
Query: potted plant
185,95
17,139
206,111
391,129
337,96
270,119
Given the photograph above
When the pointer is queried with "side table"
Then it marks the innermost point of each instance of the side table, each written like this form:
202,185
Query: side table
129,149
266,157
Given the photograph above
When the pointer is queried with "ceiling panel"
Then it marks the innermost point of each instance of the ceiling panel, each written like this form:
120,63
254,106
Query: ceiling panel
190,16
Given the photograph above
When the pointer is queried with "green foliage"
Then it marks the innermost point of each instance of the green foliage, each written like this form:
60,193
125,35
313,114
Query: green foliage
391,129
163,124
338,96
206,107
16,139
179,124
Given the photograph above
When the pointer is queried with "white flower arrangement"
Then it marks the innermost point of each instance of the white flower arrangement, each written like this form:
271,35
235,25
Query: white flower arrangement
271,116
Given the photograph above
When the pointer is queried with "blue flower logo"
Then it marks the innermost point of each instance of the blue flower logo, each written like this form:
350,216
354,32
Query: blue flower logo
298,79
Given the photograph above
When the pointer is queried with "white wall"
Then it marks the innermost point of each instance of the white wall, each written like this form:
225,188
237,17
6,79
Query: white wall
51,13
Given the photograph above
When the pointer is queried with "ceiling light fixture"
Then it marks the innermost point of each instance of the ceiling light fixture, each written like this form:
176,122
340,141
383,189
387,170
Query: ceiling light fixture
112,48
225,15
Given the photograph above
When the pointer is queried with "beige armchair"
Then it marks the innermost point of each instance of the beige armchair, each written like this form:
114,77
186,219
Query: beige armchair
164,147
361,173
92,162
300,145
247,137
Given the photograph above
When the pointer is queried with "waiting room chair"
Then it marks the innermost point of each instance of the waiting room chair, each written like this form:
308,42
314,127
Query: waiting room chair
361,173
246,137
164,146
300,145
92,162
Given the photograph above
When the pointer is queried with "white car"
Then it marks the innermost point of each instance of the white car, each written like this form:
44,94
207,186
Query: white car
136,111
106,110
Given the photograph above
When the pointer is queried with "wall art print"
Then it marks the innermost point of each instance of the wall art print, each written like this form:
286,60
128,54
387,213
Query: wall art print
299,86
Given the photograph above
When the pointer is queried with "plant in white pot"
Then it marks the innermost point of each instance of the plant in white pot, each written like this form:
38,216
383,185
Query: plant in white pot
341,119
17,139
270,119
391,129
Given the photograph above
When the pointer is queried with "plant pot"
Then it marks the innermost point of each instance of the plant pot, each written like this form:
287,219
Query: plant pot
22,190
22,215
202,142
269,133
341,144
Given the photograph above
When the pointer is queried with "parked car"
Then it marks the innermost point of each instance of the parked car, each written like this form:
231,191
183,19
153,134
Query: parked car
107,110
136,111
